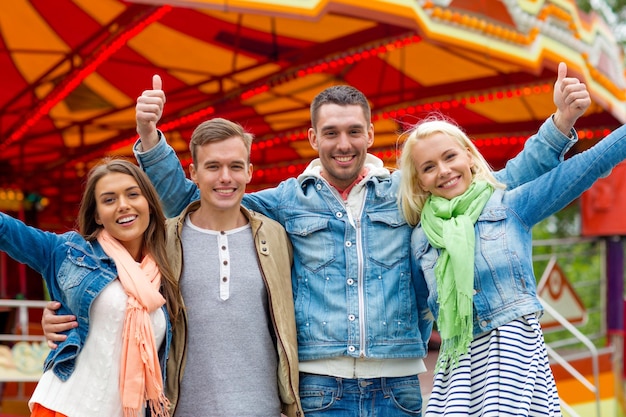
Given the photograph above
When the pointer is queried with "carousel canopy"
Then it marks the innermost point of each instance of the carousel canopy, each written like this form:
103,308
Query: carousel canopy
71,70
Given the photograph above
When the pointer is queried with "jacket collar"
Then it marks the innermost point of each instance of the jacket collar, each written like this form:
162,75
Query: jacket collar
252,216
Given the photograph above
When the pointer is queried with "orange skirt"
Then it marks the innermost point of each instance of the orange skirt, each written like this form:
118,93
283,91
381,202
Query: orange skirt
41,411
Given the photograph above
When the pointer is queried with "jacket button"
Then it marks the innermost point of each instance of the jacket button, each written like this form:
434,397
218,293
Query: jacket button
351,317
483,323
351,348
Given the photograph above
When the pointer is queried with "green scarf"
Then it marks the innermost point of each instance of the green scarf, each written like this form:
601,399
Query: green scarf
449,225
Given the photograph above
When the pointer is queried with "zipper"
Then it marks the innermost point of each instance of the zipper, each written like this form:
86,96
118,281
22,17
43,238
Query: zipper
356,223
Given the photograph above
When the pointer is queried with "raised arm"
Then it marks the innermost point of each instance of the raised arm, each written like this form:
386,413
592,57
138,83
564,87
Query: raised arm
156,157
38,249
544,196
29,245
546,149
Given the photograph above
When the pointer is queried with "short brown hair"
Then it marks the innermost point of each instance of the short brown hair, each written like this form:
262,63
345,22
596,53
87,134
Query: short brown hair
216,130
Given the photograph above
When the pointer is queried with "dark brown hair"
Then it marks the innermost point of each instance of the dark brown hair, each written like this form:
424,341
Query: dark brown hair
153,237
342,95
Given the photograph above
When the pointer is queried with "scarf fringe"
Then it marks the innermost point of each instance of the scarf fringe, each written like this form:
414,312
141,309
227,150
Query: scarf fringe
158,408
454,347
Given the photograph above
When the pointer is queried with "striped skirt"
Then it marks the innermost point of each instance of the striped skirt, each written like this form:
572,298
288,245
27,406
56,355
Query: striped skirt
505,373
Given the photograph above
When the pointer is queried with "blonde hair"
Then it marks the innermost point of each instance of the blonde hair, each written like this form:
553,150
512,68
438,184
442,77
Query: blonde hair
411,197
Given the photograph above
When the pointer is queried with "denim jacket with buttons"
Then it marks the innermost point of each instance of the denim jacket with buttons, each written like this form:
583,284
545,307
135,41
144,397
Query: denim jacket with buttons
504,281
354,292
75,271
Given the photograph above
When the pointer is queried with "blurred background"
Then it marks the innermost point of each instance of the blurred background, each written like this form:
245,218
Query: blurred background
71,70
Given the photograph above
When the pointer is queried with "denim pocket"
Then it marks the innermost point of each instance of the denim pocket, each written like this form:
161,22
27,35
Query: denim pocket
387,238
75,267
317,393
312,239
407,396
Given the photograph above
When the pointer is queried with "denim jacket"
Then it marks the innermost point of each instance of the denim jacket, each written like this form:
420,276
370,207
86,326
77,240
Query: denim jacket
504,281
354,292
75,272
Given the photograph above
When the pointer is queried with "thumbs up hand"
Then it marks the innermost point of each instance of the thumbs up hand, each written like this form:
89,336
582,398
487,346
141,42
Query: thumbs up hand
571,99
148,112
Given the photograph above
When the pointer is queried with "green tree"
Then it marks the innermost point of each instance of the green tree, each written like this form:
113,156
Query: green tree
581,263
613,11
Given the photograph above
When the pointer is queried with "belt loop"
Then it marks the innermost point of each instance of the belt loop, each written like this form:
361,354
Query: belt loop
339,387
384,388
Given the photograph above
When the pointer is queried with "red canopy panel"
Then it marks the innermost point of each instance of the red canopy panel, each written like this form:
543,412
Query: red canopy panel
70,72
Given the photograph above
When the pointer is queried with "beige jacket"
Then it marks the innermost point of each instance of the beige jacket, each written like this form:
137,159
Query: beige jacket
275,257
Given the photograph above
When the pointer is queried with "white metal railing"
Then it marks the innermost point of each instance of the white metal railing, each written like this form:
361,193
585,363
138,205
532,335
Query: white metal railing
595,387
592,283
24,362
22,307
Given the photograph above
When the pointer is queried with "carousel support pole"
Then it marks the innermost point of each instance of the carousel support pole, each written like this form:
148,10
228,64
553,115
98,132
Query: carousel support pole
615,311
615,286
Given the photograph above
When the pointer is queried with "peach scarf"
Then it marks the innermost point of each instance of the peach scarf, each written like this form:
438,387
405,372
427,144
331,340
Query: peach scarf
140,374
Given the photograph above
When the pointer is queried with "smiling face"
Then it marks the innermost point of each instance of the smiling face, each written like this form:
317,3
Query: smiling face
222,173
122,210
444,167
341,137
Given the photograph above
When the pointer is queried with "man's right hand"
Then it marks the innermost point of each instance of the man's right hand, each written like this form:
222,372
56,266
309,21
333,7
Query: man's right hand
53,324
148,112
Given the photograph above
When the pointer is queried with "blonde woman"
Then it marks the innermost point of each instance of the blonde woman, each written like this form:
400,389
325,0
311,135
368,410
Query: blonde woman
472,247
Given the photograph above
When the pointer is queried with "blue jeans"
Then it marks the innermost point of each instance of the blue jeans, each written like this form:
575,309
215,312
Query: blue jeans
327,396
